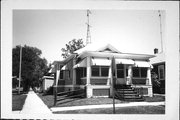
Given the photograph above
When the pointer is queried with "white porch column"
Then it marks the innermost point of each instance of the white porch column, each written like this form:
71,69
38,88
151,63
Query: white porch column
88,78
74,75
149,82
110,80
109,76
57,77
129,81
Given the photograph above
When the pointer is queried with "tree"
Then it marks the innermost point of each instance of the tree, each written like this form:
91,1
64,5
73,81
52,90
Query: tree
72,46
33,67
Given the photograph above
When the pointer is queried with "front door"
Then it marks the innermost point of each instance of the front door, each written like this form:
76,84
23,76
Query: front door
121,74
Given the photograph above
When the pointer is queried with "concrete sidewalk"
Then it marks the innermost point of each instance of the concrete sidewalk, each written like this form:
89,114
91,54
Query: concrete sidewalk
34,105
131,104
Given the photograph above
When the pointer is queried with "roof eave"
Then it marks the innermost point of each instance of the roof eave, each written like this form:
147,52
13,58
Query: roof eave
117,55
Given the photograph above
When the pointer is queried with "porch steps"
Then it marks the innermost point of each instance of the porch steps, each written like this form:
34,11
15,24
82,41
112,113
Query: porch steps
127,93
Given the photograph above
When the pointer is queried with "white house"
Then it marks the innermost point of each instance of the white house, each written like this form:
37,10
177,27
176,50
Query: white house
90,68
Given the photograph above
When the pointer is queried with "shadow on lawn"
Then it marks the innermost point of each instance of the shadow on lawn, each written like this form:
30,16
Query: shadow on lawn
61,102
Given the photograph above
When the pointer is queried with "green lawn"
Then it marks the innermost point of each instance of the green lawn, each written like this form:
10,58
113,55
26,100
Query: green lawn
122,110
18,101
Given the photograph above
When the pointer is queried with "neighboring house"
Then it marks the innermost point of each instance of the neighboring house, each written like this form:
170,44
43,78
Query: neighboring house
47,82
158,63
90,68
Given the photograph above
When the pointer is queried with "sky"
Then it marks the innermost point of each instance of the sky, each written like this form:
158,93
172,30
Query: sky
130,31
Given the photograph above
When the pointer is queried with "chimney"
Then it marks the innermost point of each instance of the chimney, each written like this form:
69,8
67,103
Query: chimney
155,51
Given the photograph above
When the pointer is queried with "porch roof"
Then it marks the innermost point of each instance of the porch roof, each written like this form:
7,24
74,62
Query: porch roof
107,62
94,61
124,61
143,64
64,67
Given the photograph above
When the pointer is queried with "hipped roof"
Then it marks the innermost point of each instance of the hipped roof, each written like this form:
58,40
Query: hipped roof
105,50
97,47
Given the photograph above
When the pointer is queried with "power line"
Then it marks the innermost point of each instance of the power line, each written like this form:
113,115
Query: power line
20,61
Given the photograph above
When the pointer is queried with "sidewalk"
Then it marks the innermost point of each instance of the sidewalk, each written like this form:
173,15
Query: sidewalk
56,109
34,105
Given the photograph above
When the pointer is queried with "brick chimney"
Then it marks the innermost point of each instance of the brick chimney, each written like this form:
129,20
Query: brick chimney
155,51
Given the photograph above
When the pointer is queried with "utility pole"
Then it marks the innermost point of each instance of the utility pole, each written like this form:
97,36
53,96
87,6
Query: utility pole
88,37
20,61
160,30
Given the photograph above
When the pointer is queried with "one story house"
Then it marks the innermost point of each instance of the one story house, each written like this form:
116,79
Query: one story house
158,63
47,82
90,68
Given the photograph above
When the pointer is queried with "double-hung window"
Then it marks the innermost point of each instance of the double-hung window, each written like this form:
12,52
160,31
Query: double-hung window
139,72
99,71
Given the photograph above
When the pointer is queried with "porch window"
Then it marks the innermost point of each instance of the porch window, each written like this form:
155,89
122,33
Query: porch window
84,72
101,71
95,71
120,70
139,72
104,71
61,74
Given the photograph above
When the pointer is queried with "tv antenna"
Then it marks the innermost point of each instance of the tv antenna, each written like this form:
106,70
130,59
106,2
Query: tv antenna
160,30
88,37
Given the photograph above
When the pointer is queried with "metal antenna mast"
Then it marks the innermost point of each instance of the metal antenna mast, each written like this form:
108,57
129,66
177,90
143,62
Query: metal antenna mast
160,30
88,37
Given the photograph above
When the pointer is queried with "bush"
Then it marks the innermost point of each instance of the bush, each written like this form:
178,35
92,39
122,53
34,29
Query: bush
49,91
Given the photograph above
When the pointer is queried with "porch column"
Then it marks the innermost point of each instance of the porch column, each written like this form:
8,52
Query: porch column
74,75
149,82
129,78
88,78
110,80
109,76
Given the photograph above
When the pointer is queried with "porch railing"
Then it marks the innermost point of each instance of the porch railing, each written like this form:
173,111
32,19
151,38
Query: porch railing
96,81
68,94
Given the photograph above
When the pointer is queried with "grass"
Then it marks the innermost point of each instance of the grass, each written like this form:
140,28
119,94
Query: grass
49,101
18,101
155,98
122,110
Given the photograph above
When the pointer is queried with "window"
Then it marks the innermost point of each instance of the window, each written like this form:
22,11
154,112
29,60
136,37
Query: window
100,71
95,71
120,70
61,74
84,72
139,72
161,72
126,72
104,71
143,72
